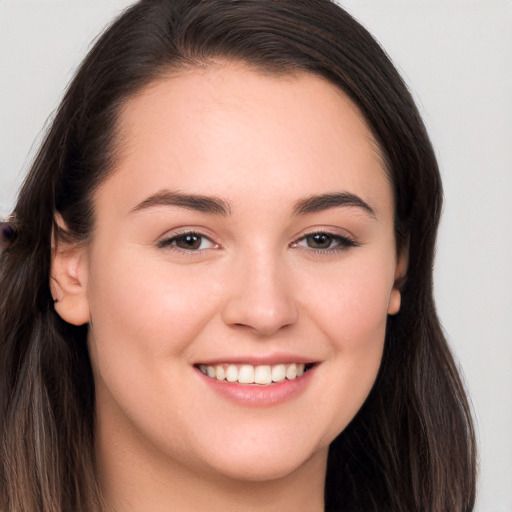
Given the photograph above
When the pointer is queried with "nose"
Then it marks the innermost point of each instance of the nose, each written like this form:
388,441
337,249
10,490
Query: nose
260,297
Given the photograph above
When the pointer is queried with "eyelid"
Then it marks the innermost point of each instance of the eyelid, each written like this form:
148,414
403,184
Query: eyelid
167,241
345,241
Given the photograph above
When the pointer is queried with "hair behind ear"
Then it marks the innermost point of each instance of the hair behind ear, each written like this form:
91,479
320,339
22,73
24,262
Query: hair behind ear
46,383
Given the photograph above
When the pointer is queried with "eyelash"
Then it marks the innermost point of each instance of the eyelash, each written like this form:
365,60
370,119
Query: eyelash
342,243
171,243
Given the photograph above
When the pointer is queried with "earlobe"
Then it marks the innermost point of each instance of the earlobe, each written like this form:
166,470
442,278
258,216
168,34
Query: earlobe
395,298
68,280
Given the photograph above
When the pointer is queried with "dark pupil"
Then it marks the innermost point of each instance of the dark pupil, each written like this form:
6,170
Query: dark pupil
189,241
319,241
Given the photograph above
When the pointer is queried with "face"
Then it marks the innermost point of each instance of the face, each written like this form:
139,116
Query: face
240,273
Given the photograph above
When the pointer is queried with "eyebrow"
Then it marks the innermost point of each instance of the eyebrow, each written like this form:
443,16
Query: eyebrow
200,203
322,202
218,206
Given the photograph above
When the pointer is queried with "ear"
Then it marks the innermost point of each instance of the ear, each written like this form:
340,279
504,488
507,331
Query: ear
395,297
68,278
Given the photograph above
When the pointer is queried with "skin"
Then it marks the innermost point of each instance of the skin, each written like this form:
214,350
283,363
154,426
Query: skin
255,287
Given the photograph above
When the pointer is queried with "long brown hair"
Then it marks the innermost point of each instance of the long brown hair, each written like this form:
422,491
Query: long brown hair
411,447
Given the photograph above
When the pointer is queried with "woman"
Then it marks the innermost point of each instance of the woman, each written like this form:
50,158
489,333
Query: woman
221,297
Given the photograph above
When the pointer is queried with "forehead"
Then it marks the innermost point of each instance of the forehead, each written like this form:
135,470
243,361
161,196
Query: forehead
231,128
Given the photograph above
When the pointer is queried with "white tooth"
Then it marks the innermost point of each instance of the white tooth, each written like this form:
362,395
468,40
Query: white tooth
262,374
246,374
210,371
232,373
300,370
220,372
291,371
278,373
202,368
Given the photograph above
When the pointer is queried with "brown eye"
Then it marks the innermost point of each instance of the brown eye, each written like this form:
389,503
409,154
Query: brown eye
320,241
325,242
190,241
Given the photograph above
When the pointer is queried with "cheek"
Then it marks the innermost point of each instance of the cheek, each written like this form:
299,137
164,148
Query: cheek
146,315
352,305
352,314
149,310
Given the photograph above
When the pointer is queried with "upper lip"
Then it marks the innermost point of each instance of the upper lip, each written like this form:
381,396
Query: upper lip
258,360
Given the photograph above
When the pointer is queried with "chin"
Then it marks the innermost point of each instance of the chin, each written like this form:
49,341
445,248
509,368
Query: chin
257,471
263,465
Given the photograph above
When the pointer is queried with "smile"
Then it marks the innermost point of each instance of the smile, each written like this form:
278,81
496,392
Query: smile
260,374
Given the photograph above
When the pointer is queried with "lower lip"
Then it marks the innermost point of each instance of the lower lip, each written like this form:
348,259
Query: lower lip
257,395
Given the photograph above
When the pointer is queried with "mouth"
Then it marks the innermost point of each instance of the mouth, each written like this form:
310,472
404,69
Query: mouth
260,375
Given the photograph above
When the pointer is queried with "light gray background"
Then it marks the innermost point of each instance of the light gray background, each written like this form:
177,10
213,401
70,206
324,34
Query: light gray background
456,55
